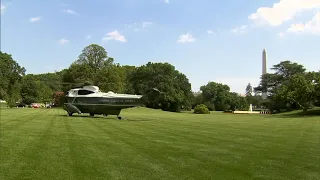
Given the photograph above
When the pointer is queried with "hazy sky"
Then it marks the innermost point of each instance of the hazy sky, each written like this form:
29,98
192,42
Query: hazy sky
208,40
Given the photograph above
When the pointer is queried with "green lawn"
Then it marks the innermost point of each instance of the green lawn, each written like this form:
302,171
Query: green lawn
151,144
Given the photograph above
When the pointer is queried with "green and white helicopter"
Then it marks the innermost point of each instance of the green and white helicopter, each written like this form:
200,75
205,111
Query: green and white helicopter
89,99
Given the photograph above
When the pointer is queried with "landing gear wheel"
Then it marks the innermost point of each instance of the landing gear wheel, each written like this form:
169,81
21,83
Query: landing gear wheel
70,114
91,114
105,115
119,117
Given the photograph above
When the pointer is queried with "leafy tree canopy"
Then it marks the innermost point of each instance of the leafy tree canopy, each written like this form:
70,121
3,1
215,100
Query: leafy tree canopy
163,76
10,76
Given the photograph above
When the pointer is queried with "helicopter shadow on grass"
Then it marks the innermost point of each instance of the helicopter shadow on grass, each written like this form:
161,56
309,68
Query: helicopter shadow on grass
107,118
84,116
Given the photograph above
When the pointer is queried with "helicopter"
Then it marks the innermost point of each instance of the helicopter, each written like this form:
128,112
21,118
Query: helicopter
90,99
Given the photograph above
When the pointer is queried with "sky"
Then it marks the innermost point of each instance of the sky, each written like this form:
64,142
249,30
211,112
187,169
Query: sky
207,40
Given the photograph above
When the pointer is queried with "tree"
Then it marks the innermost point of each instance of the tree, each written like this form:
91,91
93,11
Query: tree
317,88
77,73
95,56
128,71
249,90
216,94
237,102
95,67
283,71
256,100
51,80
243,104
29,91
10,76
163,76
44,92
286,69
111,78
275,85
34,90
14,94
197,99
301,89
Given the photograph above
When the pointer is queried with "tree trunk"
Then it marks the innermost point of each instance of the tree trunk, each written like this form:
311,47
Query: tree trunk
305,109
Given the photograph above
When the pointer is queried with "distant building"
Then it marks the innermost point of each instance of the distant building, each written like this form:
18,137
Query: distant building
196,93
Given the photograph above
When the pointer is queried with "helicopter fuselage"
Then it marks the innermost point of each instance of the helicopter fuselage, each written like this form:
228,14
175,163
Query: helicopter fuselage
90,100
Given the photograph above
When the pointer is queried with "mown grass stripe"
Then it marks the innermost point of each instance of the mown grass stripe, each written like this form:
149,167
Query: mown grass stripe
152,144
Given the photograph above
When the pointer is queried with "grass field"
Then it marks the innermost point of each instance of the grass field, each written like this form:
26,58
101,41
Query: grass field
151,144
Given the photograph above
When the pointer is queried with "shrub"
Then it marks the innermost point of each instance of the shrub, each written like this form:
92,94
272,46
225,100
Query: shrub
201,109
58,98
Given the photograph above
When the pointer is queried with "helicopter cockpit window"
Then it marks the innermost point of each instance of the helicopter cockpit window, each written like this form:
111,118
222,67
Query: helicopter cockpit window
84,92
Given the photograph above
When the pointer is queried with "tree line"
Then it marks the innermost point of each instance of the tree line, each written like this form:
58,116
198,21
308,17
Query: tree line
290,87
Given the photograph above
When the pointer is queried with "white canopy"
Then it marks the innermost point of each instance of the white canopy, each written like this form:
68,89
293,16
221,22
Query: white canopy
91,88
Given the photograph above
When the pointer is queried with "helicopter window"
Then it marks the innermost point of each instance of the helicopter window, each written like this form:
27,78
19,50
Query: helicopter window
84,92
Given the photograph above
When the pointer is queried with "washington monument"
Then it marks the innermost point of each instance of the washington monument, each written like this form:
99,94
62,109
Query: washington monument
264,69
264,62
